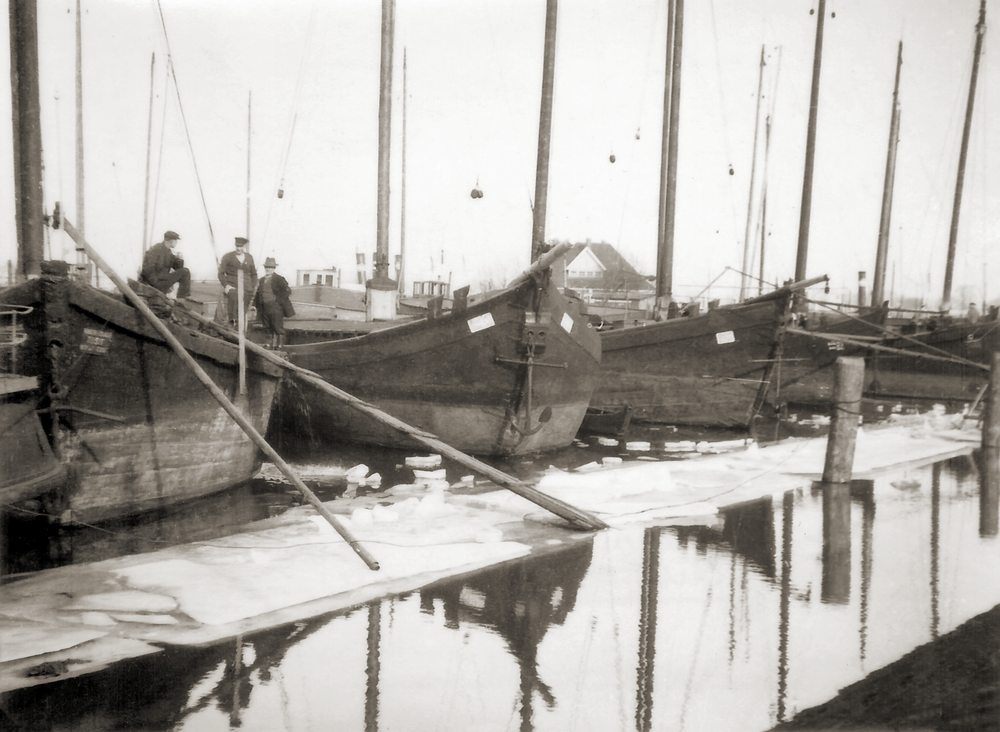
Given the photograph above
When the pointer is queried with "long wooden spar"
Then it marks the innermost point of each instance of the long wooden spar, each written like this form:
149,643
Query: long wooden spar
556,506
223,400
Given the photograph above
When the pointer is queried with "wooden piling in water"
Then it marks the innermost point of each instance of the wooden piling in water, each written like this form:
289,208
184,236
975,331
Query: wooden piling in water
848,383
991,408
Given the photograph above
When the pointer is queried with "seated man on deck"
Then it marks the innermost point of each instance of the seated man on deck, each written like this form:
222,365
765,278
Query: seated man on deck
162,267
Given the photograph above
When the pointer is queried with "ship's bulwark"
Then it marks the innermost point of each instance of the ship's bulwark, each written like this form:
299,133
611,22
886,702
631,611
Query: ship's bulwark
136,429
710,369
462,377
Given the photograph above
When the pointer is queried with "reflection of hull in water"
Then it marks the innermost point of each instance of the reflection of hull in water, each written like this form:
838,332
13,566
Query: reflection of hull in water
907,375
482,379
710,369
748,530
161,690
134,427
30,544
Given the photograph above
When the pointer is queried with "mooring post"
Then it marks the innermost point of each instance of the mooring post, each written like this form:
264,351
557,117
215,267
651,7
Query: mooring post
989,491
848,381
991,408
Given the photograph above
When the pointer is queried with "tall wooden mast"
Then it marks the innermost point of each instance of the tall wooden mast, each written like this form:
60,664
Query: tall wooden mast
79,121
745,272
544,132
806,210
381,289
668,162
953,235
878,284
26,117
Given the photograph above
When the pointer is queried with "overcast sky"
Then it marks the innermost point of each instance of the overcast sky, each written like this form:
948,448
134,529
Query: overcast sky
473,87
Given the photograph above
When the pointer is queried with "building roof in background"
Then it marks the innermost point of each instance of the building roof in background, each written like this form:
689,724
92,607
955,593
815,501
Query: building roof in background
617,274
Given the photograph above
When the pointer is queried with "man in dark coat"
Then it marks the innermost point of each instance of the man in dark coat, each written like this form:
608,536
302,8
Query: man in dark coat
162,268
232,262
273,302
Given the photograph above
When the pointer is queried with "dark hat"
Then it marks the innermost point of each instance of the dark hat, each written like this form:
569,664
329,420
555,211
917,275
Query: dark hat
170,235
269,262
240,241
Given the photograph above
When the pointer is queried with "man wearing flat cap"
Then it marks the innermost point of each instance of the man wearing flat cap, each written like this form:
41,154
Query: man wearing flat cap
273,302
162,267
232,262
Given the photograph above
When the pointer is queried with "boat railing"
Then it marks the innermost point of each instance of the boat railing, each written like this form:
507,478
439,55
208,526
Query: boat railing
12,334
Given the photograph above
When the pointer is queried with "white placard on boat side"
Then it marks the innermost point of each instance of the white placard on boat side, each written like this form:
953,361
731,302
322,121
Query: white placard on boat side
481,322
567,322
726,336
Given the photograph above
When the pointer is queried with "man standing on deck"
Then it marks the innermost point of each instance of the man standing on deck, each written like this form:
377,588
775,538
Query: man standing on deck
273,303
232,262
162,267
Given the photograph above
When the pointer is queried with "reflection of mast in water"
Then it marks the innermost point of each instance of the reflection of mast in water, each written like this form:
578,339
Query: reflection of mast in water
935,545
989,491
865,494
520,600
647,628
374,665
787,509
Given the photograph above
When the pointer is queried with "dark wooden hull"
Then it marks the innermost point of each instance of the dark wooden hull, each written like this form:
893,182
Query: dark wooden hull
462,377
711,369
906,375
134,427
804,371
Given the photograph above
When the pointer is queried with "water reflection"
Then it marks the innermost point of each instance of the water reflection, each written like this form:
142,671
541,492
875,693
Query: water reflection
989,491
520,601
160,691
647,628
32,543
836,586
573,638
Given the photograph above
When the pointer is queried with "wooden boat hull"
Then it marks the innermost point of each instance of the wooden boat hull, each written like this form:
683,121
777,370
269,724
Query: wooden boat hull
906,375
804,371
463,377
710,370
134,427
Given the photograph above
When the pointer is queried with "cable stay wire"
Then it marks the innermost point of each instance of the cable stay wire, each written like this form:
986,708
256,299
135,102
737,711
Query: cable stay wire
159,155
187,133
278,190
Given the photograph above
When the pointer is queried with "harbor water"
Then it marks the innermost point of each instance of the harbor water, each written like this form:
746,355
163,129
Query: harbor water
739,621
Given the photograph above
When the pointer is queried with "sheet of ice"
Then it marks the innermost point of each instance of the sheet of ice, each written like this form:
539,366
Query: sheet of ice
423,461
215,594
24,639
645,490
125,601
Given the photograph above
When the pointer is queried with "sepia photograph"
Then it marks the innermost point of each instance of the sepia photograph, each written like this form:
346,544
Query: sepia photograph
499,365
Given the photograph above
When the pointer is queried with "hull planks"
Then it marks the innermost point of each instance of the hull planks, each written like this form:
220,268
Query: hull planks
711,369
133,427
511,374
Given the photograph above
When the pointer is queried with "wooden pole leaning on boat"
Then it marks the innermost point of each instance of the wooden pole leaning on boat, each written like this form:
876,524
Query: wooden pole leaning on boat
559,508
243,330
223,400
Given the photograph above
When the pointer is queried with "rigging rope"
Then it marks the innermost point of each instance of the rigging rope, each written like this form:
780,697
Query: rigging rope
282,165
187,133
159,156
